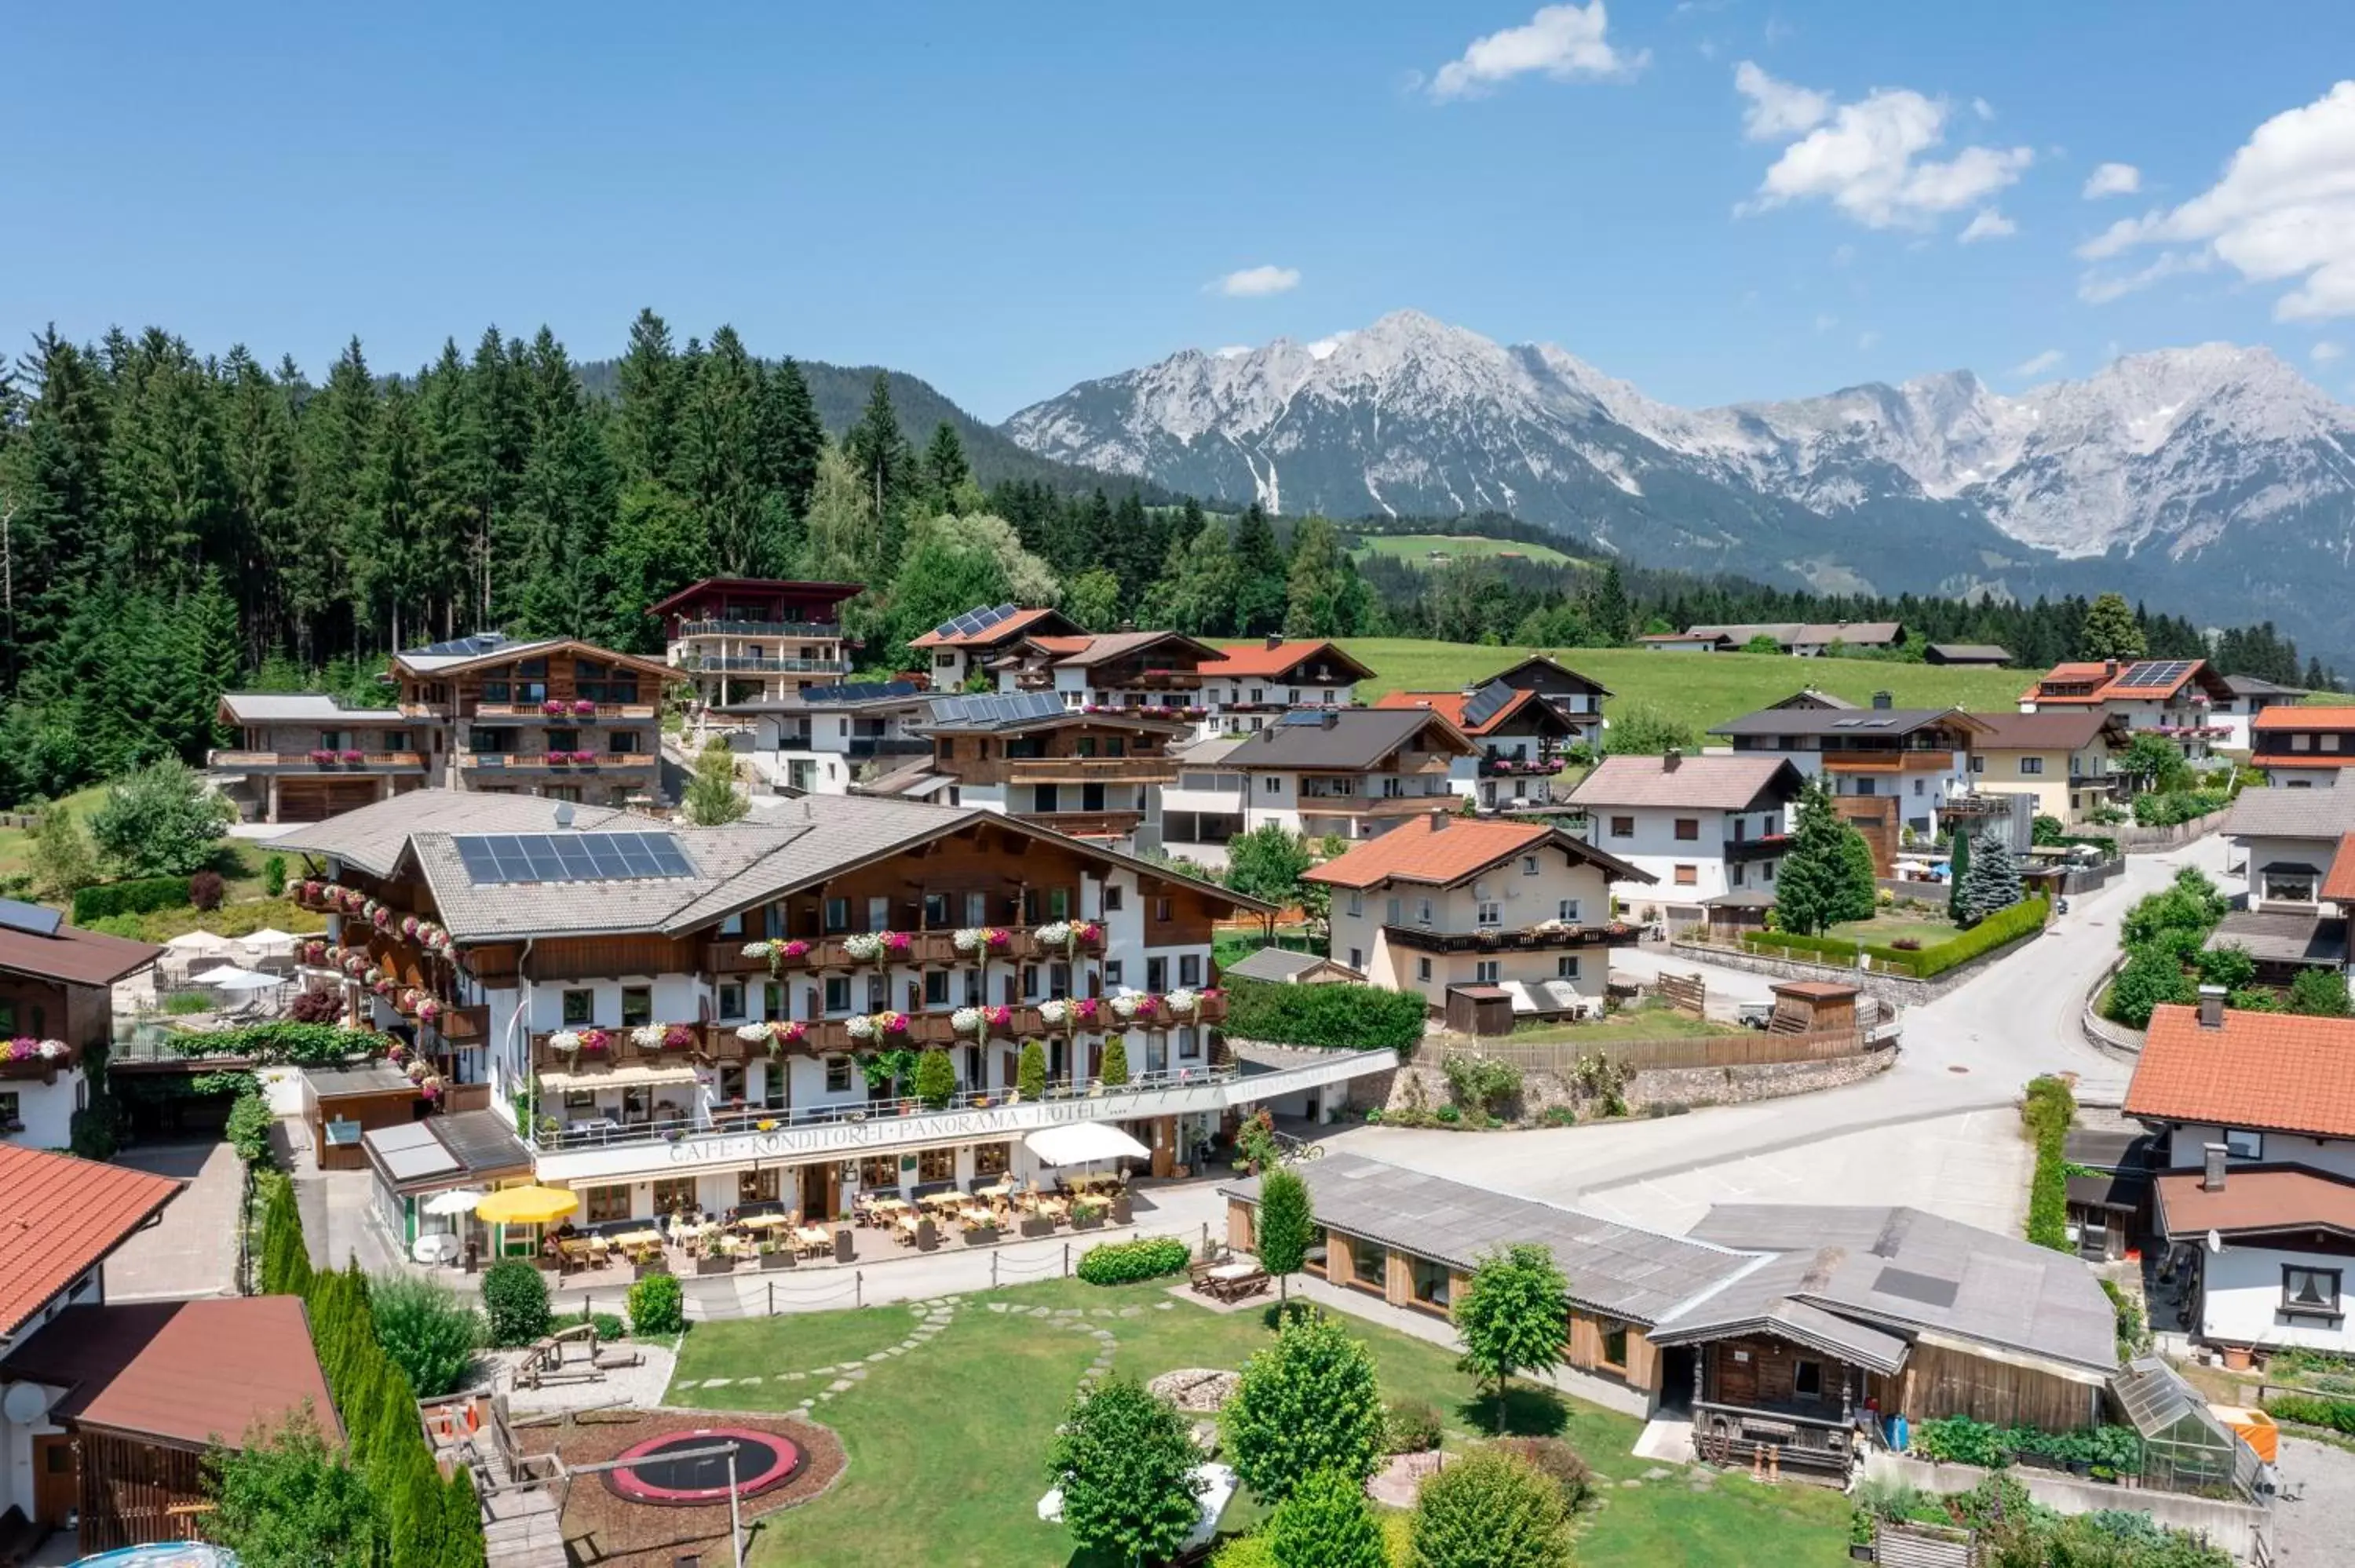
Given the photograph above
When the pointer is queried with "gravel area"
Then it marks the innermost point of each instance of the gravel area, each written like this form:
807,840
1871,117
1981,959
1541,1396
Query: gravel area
639,1387
2315,1519
602,1527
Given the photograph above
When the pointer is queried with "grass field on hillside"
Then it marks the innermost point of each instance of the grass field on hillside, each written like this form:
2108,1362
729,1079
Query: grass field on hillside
17,844
1414,549
1701,689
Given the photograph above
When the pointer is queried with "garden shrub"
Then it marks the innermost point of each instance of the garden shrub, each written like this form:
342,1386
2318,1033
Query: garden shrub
609,1324
1959,1440
2151,976
1338,1017
274,877
1410,1426
1124,1263
1490,1509
657,1306
1558,1462
2307,1410
516,1299
140,896
206,890
2046,1111
248,1126
2319,992
429,1332
2008,925
1482,1085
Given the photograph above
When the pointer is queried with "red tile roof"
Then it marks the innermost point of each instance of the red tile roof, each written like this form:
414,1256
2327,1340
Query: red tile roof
73,955
59,1218
990,636
2109,684
1418,850
1450,705
2268,1072
1258,659
2339,884
186,1372
2290,716
2253,1200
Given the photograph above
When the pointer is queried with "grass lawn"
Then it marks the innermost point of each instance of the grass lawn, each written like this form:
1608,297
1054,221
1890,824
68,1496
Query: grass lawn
1924,927
1701,689
17,844
1650,1020
948,1442
1414,547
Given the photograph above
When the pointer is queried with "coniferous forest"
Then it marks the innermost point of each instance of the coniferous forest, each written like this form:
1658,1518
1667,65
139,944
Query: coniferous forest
174,524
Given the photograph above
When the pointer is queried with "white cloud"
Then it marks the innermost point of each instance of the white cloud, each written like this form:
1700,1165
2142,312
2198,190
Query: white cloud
1842,254
2285,210
1253,281
1987,224
2036,364
2113,179
1982,108
1868,340
2324,352
2100,289
1564,42
1824,321
1867,160
1778,109
1233,351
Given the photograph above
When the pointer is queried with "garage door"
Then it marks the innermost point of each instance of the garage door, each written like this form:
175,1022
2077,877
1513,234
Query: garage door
309,799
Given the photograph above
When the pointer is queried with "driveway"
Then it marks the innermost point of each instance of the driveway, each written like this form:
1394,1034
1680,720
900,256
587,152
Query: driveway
1937,1130
2315,1517
192,1249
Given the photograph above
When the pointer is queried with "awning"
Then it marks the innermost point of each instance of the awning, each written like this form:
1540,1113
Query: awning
1082,1141
527,1206
633,1077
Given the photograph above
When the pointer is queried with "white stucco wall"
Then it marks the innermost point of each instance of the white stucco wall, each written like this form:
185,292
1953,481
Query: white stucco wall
46,1110
2241,1297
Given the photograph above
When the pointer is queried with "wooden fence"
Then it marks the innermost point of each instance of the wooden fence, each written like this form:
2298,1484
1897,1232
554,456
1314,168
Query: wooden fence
1686,993
1562,1056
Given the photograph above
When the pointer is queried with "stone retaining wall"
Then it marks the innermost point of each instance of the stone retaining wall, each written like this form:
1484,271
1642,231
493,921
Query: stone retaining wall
1660,1085
2132,840
2099,1032
2242,1529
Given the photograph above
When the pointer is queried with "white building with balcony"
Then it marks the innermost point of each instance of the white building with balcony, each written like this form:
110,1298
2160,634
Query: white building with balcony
754,639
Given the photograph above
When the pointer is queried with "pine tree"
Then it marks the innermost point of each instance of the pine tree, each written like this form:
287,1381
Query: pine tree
800,436
2111,631
649,389
1811,888
712,799
1958,868
945,469
886,466
1993,881
258,451
1261,588
338,428
1861,892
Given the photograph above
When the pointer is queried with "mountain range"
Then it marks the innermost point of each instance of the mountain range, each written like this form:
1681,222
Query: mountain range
2215,480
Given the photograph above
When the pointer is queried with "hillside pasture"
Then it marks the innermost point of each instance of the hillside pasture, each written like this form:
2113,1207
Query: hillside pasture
1415,549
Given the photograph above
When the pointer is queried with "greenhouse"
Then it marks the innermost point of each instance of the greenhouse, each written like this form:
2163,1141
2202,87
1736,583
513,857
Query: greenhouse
2185,1448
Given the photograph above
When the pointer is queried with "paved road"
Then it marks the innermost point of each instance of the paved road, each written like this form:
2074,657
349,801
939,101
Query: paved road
1921,1132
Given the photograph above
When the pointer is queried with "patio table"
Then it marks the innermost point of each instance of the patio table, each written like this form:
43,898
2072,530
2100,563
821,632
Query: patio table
1234,1271
638,1238
887,1205
814,1238
765,1222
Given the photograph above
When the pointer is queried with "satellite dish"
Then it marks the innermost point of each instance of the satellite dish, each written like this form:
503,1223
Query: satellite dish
24,1403
564,813
2215,1241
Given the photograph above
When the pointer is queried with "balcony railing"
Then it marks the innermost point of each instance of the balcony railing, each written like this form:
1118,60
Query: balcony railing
1085,825
1910,759
870,748
556,761
753,664
925,949
1548,937
1728,1433
1378,805
565,713
814,631
1092,769
1494,767
1742,851
320,761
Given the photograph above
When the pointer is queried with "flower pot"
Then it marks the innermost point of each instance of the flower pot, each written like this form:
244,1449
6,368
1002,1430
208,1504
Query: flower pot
2236,1358
981,1235
1123,1211
928,1237
1861,1552
781,1258
715,1266
654,1266
1092,1222
1037,1226
842,1245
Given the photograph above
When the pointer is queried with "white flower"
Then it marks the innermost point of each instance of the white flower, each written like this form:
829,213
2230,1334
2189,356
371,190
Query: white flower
1054,934
1124,1006
859,1027
756,949
752,1034
965,1020
1053,1011
862,946
1180,1003
647,1036
565,1041
966,940
51,1050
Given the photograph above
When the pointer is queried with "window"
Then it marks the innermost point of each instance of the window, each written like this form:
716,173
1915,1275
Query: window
1615,1345
2030,767
602,1205
2290,884
2241,1145
1030,982
837,1074
837,994
1567,912
1422,969
976,908
673,1195
837,914
1114,895
1393,911
1807,1379
1688,830
1157,975
880,1171
12,1112
1189,1045
936,910
2329,743
731,998
1358,959
2301,743
773,996
1866,786
1258,696
1688,876
757,1186
2310,1290
1491,912
1271,785
1369,1264
879,913
637,1005
1422,911
563,741
992,1159
579,1008
937,988
1529,865
1356,902
1113,971
1921,786
1485,972
1979,763
1429,1282
1189,971
1163,908
936,1165
1623,827
1566,966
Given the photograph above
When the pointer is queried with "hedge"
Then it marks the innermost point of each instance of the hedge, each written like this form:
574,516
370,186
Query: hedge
1124,1263
141,896
2308,1410
2048,1110
1343,1017
2021,919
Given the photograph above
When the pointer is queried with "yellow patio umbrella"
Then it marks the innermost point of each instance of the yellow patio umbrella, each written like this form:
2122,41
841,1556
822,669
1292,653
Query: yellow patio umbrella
527,1205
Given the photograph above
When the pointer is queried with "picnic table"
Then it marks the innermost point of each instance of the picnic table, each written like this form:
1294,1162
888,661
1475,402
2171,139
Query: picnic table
813,1239
885,1208
628,1239
1233,1281
765,1222
1004,1188
948,1200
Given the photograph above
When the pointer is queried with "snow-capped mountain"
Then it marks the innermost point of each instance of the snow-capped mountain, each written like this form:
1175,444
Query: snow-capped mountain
2216,479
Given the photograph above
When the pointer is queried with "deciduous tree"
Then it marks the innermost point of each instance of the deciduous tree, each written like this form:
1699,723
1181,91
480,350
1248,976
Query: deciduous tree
1307,1403
1124,1461
1512,1316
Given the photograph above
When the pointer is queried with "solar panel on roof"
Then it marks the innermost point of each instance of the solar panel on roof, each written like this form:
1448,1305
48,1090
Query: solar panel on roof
973,621
464,647
18,915
498,858
858,692
2155,673
1485,703
1302,715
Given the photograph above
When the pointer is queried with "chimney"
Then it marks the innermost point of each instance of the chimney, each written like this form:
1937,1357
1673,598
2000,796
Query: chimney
2211,1171
2212,1007
1671,758
1882,700
1439,819
1275,640
2110,669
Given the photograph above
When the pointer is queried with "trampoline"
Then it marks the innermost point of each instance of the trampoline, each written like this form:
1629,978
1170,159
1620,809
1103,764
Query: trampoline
763,1460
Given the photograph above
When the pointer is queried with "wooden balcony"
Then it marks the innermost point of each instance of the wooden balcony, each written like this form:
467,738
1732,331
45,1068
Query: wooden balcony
925,949
568,713
317,762
1093,770
806,631
1499,766
1378,805
547,762
1906,761
1085,825
1550,938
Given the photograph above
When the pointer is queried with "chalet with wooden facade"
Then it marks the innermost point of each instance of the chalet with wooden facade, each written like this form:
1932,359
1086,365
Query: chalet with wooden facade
1576,698
2301,748
553,717
1252,686
2177,698
967,644
1094,773
1690,828
1442,903
1523,741
746,639
80,1211
1347,773
56,1007
673,1014
2063,759
1895,772
1155,673
830,740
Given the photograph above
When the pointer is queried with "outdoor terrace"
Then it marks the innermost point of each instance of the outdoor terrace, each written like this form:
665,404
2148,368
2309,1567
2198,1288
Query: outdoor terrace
559,711
933,949
761,664
1091,769
813,630
319,761
1493,766
551,761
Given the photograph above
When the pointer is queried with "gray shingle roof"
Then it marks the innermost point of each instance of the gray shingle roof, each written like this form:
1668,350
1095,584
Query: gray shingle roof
1614,1269
2281,936
1993,652
373,837
299,707
1897,1271
2053,729
2278,813
1702,783
1356,738
1841,721
1279,964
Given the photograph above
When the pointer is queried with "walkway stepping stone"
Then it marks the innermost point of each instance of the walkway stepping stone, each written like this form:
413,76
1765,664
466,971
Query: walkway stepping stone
875,1357
997,1306
717,1381
837,1385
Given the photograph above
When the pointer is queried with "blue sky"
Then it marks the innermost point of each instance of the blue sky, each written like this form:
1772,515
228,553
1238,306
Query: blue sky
1005,199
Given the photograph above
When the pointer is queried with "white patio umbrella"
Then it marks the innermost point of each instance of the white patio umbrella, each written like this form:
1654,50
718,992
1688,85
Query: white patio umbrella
266,942
230,977
457,1200
1080,1142
199,942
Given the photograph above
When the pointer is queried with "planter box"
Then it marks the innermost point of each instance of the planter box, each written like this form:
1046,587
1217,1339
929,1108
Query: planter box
1096,1224
981,1235
781,1258
1035,1225
715,1266
648,1270
842,1245
1123,1211
928,1237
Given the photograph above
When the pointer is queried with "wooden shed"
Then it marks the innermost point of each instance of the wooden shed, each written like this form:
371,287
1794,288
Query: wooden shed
1807,1007
341,1104
1479,1010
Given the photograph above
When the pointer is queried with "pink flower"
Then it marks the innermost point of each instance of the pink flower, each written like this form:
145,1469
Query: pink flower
583,707
896,942
891,1023
677,1037
1088,933
355,756
429,1010
1084,1008
998,1017
797,948
595,1040
792,1033
552,707
383,919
